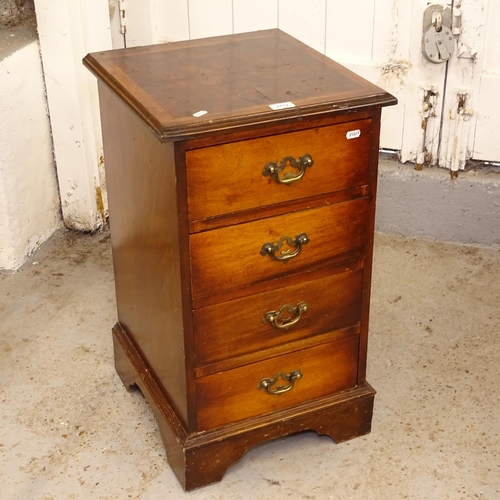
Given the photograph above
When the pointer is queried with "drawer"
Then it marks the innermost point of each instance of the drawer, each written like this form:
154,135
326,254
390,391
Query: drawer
234,395
237,327
232,257
229,178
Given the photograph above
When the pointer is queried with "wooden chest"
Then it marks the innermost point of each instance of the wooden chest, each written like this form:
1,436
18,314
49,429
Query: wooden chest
241,175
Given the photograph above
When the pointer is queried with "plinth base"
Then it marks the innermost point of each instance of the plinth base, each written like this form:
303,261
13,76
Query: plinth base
199,459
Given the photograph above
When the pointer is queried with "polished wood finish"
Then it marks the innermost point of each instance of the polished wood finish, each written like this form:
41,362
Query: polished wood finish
199,459
334,303
277,350
234,78
228,178
233,395
190,211
336,234
146,244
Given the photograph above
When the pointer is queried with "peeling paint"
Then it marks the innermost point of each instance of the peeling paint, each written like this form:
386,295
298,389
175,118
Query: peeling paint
99,202
424,154
101,182
394,71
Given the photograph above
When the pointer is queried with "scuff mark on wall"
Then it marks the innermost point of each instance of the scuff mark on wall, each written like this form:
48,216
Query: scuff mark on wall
395,70
73,187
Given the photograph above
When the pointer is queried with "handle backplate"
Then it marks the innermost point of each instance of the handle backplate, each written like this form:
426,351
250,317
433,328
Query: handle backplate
268,383
276,171
274,317
294,247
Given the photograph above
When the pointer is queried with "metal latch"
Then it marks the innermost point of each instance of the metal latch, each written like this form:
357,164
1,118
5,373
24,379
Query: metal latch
437,42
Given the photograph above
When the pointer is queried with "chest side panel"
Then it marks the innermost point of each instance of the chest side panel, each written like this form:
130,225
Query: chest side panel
146,250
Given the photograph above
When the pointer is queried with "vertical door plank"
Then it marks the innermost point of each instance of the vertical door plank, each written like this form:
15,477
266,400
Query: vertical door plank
212,18
372,39
420,73
255,15
349,29
491,53
486,145
304,21
170,20
139,25
68,29
465,74
392,25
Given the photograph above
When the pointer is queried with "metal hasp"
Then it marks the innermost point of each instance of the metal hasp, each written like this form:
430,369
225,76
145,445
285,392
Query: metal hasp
427,111
437,41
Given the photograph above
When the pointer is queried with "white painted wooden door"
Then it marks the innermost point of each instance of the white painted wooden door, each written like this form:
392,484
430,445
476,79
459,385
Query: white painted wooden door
379,39
68,30
446,112
471,105
463,121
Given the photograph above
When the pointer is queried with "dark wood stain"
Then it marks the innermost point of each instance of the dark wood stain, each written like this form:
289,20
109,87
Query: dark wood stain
234,78
140,174
232,396
189,213
336,233
228,178
334,303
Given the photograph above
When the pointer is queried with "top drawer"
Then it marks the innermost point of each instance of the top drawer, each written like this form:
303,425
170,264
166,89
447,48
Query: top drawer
229,178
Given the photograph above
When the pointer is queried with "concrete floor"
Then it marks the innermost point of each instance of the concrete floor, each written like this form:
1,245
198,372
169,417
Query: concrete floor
69,429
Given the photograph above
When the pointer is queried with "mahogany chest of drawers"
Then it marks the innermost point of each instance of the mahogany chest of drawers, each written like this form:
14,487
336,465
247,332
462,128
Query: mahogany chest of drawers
241,175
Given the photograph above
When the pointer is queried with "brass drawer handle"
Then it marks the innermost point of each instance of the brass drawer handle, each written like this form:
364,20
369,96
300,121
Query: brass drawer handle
267,383
274,170
273,317
272,249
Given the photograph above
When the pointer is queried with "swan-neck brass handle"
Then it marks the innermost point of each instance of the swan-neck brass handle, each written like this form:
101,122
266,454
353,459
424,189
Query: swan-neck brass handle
273,317
274,170
267,383
295,246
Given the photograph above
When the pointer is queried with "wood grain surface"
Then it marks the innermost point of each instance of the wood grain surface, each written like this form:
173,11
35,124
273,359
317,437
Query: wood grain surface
140,172
229,178
190,212
234,328
229,258
231,396
234,79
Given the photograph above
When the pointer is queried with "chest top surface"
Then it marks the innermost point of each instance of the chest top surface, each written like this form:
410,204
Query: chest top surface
234,78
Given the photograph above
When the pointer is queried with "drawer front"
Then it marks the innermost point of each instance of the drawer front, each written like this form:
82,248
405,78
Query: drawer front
234,395
232,257
243,326
229,178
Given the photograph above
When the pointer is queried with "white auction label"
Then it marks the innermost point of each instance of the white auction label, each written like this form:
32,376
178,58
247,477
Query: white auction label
200,113
282,105
353,134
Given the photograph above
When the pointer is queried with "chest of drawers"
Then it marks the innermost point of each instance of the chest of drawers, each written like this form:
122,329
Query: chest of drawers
241,175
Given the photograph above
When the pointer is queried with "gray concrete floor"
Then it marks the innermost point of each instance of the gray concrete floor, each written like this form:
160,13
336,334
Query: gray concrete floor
69,429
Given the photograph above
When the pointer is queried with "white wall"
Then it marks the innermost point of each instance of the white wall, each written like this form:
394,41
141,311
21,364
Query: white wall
29,199
379,39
